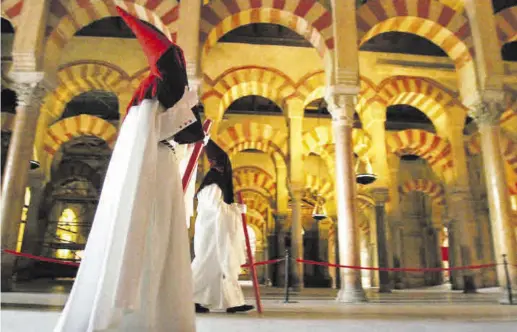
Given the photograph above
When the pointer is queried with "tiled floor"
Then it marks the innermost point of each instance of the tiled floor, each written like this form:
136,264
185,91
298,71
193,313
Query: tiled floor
36,307
319,316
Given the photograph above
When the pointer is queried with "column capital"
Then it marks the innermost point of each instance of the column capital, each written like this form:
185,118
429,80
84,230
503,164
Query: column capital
30,95
488,109
380,195
458,193
342,107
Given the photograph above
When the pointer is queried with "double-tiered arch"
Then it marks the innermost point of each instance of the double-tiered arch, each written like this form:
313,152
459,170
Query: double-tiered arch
68,17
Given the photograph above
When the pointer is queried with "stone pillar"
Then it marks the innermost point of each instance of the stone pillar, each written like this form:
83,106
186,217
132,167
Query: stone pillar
380,195
487,114
296,240
188,39
459,201
342,108
295,110
280,267
332,255
32,240
30,96
454,255
397,254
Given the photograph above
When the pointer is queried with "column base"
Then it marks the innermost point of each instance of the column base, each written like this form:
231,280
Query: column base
384,289
399,285
353,295
505,298
7,276
469,286
7,283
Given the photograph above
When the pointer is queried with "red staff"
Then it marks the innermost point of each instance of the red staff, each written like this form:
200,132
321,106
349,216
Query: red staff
198,148
251,263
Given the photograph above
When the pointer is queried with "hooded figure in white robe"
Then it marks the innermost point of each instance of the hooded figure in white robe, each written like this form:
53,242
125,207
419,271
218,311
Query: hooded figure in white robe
135,274
219,243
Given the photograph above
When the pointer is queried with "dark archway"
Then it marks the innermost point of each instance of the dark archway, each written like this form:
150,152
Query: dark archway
509,51
8,101
254,105
402,43
99,103
265,34
402,117
111,27
7,27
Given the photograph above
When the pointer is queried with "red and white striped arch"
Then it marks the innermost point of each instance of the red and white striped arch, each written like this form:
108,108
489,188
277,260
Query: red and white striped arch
253,135
323,187
78,78
311,86
506,22
254,177
428,96
435,193
429,19
434,149
11,10
508,148
66,17
240,82
432,189
320,139
81,125
76,169
308,18
256,201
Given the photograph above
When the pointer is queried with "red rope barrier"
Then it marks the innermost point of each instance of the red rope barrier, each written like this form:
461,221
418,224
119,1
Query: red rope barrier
40,258
400,269
271,261
63,262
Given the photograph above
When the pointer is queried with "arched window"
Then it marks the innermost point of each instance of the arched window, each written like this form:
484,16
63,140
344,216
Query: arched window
66,232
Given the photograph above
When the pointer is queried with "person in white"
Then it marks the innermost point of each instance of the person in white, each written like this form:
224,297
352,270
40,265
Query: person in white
135,274
219,241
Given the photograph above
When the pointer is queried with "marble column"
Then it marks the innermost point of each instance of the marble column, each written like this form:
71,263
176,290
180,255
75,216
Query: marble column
487,114
32,240
280,237
294,110
296,240
188,39
30,96
397,253
380,195
342,108
459,201
454,255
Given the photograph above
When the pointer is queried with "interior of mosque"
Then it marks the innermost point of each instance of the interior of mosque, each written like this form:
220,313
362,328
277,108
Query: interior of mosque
264,70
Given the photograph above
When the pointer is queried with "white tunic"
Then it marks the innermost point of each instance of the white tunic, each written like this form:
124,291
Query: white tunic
219,245
135,274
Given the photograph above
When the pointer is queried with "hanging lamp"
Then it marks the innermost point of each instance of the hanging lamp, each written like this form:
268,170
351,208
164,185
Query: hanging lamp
34,164
364,176
319,213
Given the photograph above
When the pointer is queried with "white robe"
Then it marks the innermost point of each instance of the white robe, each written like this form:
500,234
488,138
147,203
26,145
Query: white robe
219,245
135,273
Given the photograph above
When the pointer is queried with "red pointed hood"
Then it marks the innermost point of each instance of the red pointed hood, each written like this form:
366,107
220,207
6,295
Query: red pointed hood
153,44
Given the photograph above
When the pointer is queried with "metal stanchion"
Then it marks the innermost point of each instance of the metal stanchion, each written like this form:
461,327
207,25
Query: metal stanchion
508,281
286,278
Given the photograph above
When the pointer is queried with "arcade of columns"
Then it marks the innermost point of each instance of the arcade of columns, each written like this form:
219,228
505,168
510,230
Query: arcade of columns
50,67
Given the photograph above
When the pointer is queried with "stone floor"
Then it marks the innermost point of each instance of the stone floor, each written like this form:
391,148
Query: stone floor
36,307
